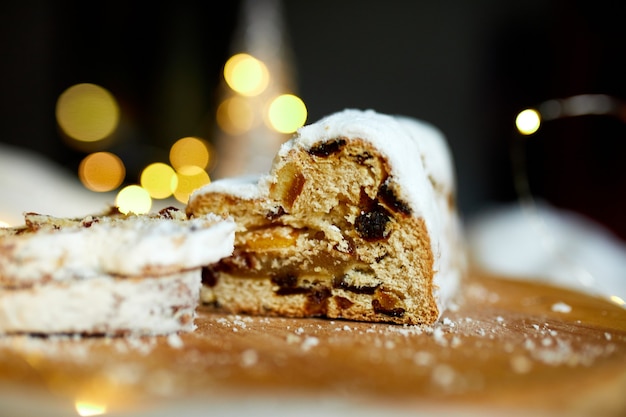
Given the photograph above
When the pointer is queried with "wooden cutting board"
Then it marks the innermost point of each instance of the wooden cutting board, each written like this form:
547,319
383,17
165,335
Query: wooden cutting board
506,346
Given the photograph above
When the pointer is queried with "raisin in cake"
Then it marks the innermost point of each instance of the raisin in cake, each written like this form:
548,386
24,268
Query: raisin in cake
355,220
107,274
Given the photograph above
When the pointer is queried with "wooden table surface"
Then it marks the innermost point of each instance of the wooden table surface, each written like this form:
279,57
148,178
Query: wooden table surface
506,346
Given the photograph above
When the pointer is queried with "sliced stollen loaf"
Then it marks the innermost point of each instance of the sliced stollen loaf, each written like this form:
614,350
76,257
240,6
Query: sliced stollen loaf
356,220
107,274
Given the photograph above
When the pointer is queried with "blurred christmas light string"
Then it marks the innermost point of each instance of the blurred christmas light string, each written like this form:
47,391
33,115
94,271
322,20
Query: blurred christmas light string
527,123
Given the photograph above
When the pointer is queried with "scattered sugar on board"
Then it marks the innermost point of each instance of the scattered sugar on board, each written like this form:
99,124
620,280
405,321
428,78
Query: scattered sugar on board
309,343
249,358
561,307
521,364
443,375
174,341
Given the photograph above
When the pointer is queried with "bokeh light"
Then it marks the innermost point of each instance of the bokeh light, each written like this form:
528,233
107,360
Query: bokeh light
246,75
101,171
133,199
528,121
86,408
87,112
159,180
287,113
235,115
189,151
4,224
189,178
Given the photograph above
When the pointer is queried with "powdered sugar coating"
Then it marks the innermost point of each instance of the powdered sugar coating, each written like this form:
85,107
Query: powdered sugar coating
245,187
104,304
133,246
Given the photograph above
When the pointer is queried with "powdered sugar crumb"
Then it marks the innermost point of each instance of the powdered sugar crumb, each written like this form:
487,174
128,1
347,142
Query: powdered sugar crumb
561,308
443,375
309,343
521,364
249,358
175,341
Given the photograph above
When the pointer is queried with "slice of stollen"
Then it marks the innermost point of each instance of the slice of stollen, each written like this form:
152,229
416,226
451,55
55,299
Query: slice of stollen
107,274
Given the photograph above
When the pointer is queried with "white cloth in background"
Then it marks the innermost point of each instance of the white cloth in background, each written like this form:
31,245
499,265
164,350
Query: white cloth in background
29,182
547,244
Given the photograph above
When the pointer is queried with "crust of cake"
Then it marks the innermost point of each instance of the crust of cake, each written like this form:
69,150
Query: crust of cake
340,202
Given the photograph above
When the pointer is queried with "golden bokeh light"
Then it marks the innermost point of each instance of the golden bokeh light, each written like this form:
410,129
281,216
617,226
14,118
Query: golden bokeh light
4,224
87,112
101,171
189,151
87,408
189,178
159,180
235,115
528,121
133,199
246,75
287,113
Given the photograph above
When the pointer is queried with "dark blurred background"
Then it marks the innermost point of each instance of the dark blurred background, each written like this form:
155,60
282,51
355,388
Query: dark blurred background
467,67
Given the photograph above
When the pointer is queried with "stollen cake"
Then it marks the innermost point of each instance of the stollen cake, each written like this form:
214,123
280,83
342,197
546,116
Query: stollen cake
355,220
107,274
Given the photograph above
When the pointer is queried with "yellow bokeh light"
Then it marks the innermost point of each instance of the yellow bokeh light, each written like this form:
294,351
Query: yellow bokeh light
87,112
190,178
246,75
101,171
287,113
133,199
4,224
235,115
528,121
86,408
189,151
159,180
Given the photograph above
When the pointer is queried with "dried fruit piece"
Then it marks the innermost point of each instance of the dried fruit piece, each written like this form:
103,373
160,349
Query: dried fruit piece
288,186
372,225
326,149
